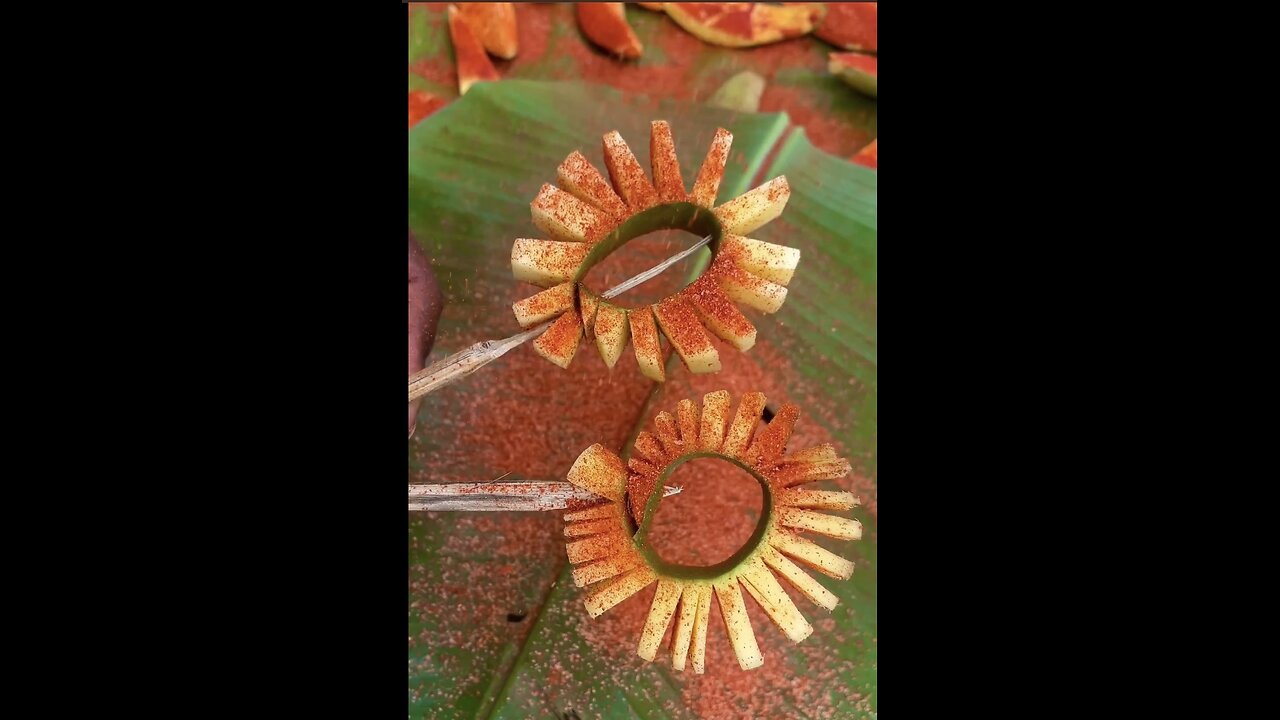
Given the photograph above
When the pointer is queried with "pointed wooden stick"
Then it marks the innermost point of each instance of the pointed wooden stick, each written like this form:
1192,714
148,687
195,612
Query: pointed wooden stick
464,362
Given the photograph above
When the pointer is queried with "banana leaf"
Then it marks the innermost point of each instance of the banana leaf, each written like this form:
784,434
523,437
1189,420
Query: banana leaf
496,627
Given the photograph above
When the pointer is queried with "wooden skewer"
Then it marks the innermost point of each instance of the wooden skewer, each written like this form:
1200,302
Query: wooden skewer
501,496
464,362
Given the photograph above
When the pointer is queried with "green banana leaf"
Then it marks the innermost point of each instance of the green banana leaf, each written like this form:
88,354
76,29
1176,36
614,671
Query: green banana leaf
496,627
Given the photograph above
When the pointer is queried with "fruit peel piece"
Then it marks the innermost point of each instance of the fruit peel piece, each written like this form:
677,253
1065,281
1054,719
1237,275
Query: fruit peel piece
867,156
599,470
850,25
544,305
494,25
469,55
739,25
753,209
856,69
681,326
605,24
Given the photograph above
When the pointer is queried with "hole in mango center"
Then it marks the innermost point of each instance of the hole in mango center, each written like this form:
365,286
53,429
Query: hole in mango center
711,518
640,254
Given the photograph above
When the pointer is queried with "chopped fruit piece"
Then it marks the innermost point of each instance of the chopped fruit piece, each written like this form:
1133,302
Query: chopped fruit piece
660,612
867,155
850,25
494,25
473,64
644,336
742,93
683,634
639,487
618,589
750,408
687,415
665,428
600,471
762,586
422,104
818,499
813,555
565,217
605,24
736,623
593,513
605,568
650,448
560,342
775,263
770,444
627,175
544,306
754,208
856,69
707,183
821,523
595,547
642,467
799,474
612,329
820,453
743,287
577,175
666,166
719,314
546,262
680,324
715,415
589,303
800,579
586,528
741,24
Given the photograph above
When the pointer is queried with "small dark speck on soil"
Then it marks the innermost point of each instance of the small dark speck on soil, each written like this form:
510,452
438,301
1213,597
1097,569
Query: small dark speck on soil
516,617
570,715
